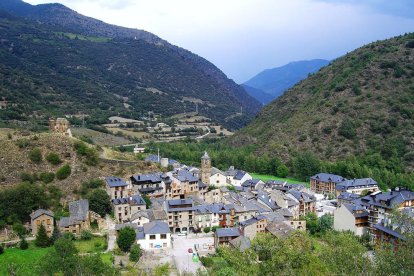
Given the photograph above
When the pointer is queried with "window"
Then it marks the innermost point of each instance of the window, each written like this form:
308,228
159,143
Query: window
163,236
48,221
152,237
151,245
164,244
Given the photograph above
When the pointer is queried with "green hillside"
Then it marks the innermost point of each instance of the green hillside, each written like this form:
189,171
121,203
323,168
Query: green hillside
362,104
48,70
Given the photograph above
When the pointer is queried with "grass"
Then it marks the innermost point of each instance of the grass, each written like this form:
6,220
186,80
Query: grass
107,258
266,177
25,260
91,246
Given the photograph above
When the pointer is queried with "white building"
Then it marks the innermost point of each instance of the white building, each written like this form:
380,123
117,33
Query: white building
218,178
351,217
154,235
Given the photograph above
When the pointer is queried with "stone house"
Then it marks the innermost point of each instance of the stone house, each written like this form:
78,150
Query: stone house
180,214
80,218
39,217
357,186
116,187
223,236
125,207
249,228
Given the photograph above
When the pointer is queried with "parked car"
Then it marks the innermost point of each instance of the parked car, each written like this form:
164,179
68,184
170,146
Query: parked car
190,250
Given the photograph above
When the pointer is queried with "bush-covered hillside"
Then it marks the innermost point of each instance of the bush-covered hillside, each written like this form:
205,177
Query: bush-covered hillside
50,70
361,104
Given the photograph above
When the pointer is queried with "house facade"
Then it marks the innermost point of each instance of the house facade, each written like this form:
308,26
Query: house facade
351,217
154,235
249,228
124,208
357,186
325,183
180,215
39,217
223,236
116,187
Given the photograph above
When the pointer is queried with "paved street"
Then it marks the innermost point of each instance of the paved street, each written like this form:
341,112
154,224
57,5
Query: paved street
182,258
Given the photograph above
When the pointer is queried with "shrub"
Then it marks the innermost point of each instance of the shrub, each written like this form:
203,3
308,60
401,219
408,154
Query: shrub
19,229
63,172
22,143
126,238
135,253
53,158
35,155
23,244
47,177
86,235
1,249
214,228
206,230
68,236
282,171
347,129
27,177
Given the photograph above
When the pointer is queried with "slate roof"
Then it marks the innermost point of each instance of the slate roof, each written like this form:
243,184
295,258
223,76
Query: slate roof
241,242
115,182
302,195
279,229
356,209
389,231
387,200
250,183
156,227
205,156
265,199
348,196
327,177
215,208
252,220
227,232
79,209
356,183
215,170
40,212
153,177
132,200
184,176
150,214
201,184
169,205
239,175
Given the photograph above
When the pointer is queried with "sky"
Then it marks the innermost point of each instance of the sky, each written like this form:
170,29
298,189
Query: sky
244,37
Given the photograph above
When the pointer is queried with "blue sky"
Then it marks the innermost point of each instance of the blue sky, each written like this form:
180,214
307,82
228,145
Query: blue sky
244,37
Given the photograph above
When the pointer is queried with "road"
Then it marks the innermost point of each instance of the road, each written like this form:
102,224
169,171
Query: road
183,259
204,135
111,234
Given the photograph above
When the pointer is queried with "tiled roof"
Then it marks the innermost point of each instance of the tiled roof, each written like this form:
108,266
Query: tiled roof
279,229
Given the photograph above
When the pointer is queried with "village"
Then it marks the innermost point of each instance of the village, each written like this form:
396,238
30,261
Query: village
185,213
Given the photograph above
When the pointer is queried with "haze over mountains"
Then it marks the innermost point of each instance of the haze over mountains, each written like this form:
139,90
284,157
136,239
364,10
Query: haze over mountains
276,81
68,63
362,104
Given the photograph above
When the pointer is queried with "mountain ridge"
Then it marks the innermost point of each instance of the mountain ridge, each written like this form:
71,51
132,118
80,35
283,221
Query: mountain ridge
275,81
213,80
361,104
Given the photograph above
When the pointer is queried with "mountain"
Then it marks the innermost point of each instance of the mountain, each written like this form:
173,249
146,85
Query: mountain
277,80
362,103
56,61
258,94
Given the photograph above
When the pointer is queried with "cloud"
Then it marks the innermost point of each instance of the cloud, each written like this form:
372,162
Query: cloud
244,37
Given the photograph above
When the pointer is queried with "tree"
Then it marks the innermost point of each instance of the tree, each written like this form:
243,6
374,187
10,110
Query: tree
1,249
62,259
135,253
325,223
99,202
42,240
35,155
55,235
147,200
282,171
19,229
86,235
305,165
126,238
53,158
206,230
23,244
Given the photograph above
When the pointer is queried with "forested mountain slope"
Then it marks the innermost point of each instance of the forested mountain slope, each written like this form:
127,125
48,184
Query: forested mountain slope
361,104
68,63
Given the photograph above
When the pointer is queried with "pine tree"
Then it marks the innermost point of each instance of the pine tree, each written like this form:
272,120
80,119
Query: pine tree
55,235
42,240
